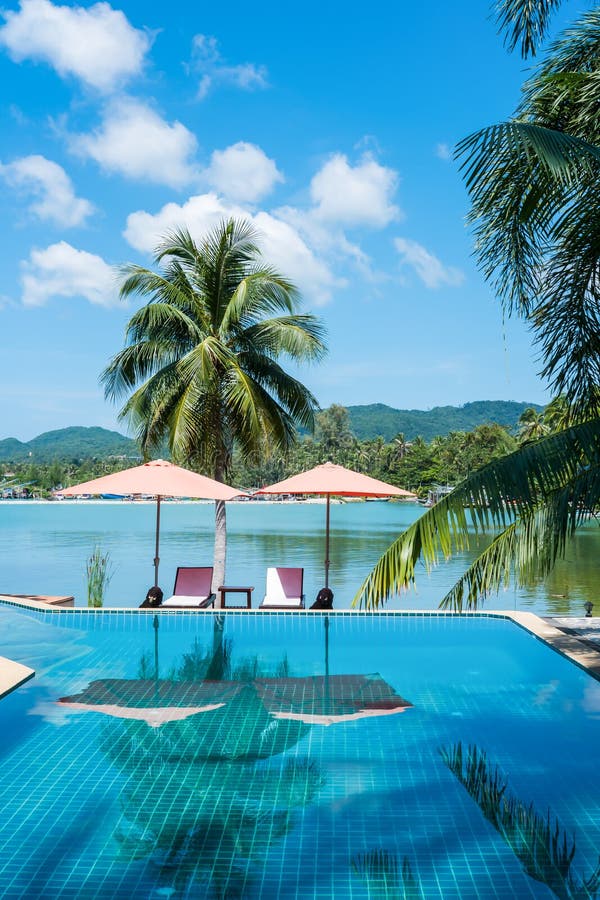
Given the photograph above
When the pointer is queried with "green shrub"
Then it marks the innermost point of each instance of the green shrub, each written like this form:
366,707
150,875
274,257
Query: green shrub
99,575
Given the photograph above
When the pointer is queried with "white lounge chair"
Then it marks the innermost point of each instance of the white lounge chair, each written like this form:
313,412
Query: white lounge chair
284,589
192,588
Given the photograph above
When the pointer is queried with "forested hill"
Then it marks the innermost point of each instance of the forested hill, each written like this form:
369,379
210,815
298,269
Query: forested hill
385,421
68,443
366,422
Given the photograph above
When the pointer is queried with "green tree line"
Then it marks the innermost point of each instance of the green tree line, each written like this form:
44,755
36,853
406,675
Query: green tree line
415,465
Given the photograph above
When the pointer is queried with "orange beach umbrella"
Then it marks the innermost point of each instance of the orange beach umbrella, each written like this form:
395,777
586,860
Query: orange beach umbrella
330,480
158,479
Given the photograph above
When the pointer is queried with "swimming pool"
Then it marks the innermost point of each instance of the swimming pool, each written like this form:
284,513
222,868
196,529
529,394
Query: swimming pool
186,760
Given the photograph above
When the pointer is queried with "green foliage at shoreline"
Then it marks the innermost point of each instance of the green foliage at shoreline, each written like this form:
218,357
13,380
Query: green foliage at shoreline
414,465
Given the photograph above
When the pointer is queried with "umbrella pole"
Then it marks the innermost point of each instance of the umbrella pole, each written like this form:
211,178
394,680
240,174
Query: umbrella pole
155,626
156,556
327,541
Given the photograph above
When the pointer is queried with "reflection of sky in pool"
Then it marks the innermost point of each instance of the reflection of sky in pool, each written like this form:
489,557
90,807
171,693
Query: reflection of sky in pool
236,801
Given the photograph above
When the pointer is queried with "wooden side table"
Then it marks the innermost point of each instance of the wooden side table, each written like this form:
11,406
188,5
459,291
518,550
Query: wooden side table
235,589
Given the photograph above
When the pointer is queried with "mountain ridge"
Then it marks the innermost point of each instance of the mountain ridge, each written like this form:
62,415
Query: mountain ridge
74,442
367,422
378,419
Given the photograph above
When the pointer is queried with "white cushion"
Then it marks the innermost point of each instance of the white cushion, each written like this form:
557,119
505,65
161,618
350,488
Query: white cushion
276,595
182,600
282,601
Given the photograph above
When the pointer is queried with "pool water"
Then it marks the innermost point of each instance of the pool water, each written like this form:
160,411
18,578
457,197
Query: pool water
289,755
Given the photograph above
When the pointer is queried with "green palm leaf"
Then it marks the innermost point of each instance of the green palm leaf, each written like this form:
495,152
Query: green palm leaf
540,478
525,23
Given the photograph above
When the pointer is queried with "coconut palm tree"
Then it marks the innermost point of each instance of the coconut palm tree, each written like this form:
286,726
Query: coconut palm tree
558,415
201,366
532,425
533,183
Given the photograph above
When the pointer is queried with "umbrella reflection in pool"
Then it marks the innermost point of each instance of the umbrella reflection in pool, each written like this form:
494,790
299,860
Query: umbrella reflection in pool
208,787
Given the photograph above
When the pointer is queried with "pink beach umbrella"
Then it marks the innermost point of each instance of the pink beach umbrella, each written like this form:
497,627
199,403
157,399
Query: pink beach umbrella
158,479
329,480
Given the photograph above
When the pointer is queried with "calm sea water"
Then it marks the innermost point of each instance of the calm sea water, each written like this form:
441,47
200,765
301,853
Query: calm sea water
44,547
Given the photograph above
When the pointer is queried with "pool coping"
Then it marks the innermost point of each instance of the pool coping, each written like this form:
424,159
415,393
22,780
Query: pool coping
568,645
12,675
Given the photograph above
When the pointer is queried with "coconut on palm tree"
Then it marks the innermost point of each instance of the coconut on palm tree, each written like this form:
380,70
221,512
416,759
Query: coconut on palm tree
202,363
533,184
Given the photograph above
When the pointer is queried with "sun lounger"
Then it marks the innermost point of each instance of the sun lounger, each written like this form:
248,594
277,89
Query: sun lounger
284,589
192,588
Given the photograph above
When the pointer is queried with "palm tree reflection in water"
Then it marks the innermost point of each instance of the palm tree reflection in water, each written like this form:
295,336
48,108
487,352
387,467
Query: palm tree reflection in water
199,804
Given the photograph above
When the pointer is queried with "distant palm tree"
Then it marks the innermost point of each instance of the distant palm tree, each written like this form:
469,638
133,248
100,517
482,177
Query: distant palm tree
532,425
558,415
201,364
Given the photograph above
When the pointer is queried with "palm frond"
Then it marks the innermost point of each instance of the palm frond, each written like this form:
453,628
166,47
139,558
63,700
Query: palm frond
524,23
300,337
529,547
134,364
290,393
163,321
561,155
514,485
260,293
147,409
267,423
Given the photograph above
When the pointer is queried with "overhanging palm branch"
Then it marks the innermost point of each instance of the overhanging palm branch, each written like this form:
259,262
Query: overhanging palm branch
534,185
525,23
529,546
533,499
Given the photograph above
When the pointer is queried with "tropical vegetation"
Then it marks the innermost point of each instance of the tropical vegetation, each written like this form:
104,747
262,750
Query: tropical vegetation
414,464
366,422
533,184
99,573
201,367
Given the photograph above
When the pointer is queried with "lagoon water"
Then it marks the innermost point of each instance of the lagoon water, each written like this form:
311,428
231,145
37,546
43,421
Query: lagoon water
44,547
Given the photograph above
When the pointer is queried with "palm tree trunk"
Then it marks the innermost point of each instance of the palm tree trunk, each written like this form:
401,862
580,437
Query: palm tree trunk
220,549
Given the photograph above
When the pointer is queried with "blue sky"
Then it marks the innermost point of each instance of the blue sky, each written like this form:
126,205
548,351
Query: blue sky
330,126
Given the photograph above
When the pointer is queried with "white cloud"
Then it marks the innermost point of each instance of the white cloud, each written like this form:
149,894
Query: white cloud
95,44
443,151
213,69
51,186
432,272
62,271
282,244
354,195
242,172
134,141
327,239
199,214
287,251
